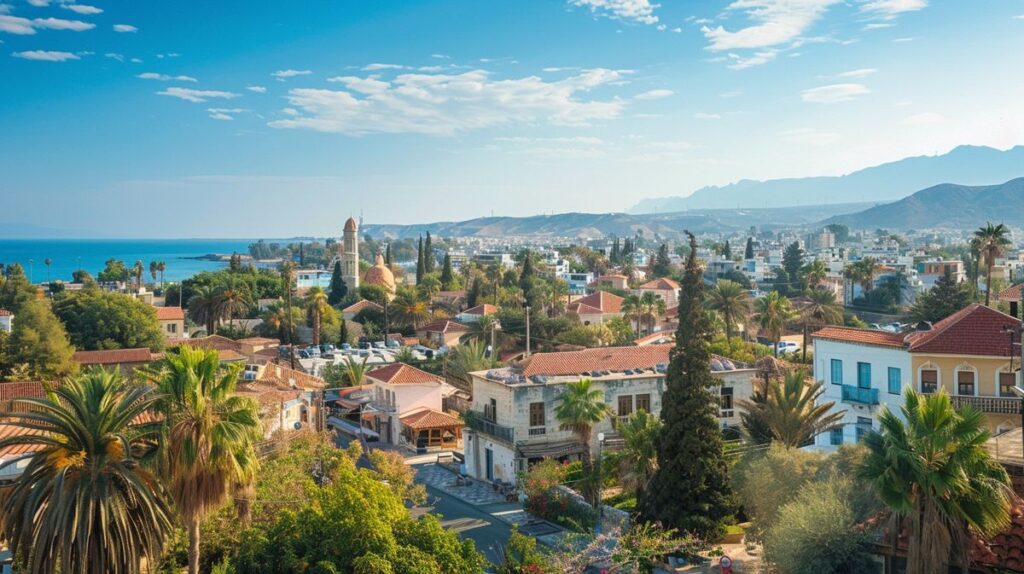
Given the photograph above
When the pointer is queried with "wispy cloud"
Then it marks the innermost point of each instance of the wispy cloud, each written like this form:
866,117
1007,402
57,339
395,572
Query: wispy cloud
859,73
257,89
1019,17
114,56
224,114
196,96
46,56
775,23
889,9
739,62
654,94
39,3
377,66
706,116
83,9
639,11
834,93
24,26
281,74
165,77
446,104
125,28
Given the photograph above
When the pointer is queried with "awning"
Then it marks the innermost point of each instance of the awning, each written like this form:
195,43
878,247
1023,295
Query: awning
351,428
551,449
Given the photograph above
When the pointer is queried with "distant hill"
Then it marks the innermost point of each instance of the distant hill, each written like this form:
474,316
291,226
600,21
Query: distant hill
946,205
595,225
968,165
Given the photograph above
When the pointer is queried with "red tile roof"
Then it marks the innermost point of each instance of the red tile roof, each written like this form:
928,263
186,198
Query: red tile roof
603,300
485,309
402,374
288,377
113,357
218,342
8,431
1011,293
360,305
170,314
974,330
428,419
661,284
598,359
5,313
581,309
24,390
860,336
444,326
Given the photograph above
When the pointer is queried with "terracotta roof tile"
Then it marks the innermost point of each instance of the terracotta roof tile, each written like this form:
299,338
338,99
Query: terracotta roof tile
170,313
429,418
661,284
1011,293
485,309
5,313
598,359
290,378
360,305
860,336
113,357
444,326
603,300
402,374
22,390
974,330
215,342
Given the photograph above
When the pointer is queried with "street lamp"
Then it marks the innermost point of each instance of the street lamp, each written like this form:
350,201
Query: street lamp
598,507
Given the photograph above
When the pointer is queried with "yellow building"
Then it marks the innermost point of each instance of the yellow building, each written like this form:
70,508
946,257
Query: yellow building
975,356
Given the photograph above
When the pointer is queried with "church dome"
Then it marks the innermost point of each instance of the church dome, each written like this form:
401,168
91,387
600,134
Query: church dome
380,275
351,225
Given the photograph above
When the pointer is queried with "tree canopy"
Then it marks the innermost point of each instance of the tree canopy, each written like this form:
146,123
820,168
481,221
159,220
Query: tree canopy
96,319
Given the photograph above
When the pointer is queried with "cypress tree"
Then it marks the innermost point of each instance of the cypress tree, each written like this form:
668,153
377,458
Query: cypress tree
662,265
420,267
727,250
526,275
387,255
337,289
343,332
614,257
429,262
748,253
690,490
302,256
473,297
447,277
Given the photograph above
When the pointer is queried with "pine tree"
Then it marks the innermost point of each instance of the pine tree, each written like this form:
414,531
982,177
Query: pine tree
337,289
473,296
793,260
387,255
429,262
447,277
748,253
727,250
942,300
420,267
302,256
662,264
690,490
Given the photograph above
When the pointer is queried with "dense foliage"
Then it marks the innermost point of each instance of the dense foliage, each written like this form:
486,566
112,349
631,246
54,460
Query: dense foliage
96,319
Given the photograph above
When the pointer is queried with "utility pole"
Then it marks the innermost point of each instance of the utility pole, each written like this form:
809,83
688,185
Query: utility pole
494,339
527,331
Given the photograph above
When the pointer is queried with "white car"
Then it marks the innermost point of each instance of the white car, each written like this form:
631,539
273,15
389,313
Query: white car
787,347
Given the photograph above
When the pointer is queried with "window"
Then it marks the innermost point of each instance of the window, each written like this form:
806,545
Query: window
643,403
895,380
625,405
863,427
1006,383
491,410
835,437
965,383
837,372
537,414
726,398
172,327
929,380
864,375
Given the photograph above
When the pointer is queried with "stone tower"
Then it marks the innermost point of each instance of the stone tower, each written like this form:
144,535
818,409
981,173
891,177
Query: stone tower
350,255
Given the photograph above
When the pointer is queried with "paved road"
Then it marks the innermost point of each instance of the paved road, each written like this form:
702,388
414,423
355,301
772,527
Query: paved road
488,532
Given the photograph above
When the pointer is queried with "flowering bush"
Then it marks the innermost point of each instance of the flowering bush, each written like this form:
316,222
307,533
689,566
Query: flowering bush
544,500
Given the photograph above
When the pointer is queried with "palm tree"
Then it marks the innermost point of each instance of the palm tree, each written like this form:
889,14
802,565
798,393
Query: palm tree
638,459
316,305
863,272
234,299
632,309
86,502
204,307
790,410
153,269
731,301
209,435
354,373
771,313
467,358
409,309
161,267
653,307
934,472
814,273
48,262
993,242
580,408
137,270
822,309
287,281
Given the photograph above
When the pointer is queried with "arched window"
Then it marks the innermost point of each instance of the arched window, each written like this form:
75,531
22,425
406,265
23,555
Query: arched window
929,377
966,380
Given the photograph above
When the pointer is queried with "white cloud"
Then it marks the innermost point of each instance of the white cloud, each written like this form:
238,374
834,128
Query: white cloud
859,73
923,119
46,56
706,116
16,25
224,114
654,94
834,93
62,24
125,28
84,9
1019,17
165,77
878,25
889,9
808,136
901,40
639,11
440,56
376,66
776,22
677,30
257,89
39,3
290,73
446,104
196,96
743,62
114,56
136,61
430,68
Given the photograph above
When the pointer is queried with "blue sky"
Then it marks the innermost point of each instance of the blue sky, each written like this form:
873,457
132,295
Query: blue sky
241,119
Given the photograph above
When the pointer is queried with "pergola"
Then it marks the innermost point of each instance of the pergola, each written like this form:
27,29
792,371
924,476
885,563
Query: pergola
427,428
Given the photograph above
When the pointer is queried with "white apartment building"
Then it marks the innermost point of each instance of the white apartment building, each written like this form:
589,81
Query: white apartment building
512,420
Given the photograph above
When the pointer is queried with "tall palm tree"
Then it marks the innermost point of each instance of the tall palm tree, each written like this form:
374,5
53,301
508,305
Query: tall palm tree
580,408
467,358
48,262
204,307
822,309
409,309
316,305
153,269
209,435
772,312
287,282
653,307
934,472
814,273
234,299
354,372
790,409
993,241
161,267
632,309
863,273
638,459
137,270
731,301
86,502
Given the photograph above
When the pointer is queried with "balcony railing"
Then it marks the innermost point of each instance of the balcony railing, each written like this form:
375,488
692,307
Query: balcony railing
477,421
995,405
852,394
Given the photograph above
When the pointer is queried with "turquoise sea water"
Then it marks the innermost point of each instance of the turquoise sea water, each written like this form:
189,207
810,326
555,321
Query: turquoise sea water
67,255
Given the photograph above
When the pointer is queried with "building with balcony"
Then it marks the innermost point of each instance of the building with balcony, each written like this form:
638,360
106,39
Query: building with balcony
512,420
405,407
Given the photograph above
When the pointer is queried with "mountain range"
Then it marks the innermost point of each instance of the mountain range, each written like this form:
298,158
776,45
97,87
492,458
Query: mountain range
945,205
888,182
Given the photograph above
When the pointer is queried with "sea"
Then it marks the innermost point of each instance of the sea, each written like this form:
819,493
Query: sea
68,255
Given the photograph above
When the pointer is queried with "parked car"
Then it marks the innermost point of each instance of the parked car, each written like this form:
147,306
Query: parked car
304,354
327,348
787,347
313,352
393,344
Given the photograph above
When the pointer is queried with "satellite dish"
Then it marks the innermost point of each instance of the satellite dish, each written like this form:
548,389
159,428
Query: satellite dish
298,426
